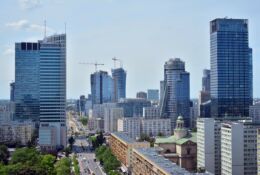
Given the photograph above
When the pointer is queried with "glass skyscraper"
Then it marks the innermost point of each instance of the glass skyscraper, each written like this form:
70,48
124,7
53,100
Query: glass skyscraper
26,90
52,132
176,98
231,68
102,87
119,77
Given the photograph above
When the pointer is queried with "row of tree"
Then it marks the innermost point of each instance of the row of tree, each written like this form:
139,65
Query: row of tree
107,160
29,161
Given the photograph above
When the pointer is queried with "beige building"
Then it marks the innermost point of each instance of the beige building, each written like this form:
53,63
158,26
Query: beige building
122,146
180,148
16,132
111,115
147,161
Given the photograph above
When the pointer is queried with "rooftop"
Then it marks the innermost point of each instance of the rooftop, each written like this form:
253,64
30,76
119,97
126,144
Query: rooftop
124,137
172,139
163,164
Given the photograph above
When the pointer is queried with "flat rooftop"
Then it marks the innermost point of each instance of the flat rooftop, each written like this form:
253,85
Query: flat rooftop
124,137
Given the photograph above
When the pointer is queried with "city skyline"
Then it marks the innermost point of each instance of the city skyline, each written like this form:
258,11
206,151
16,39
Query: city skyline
167,37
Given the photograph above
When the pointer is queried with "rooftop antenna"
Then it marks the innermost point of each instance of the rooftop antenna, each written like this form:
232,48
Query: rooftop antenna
45,28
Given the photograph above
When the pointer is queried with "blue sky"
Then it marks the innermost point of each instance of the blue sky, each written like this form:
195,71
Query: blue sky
143,33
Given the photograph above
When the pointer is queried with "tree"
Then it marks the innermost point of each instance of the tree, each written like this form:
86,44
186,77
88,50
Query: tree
71,141
4,154
47,163
100,138
62,167
27,156
67,151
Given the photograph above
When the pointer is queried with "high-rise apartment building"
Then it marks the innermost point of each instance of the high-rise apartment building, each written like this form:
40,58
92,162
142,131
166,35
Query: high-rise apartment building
231,68
119,77
26,94
176,97
111,115
102,87
52,132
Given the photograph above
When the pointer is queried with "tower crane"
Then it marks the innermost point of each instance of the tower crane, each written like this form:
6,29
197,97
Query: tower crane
95,64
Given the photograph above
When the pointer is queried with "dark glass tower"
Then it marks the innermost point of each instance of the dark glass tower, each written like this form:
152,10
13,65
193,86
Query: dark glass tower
231,68
119,77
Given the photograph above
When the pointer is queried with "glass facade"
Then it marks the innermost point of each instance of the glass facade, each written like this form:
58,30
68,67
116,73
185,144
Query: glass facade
119,77
231,68
102,87
26,91
176,98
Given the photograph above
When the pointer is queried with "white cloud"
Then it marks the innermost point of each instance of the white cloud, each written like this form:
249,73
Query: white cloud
26,25
9,51
29,4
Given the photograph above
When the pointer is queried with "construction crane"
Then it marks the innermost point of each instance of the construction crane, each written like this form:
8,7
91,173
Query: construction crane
95,64
115,60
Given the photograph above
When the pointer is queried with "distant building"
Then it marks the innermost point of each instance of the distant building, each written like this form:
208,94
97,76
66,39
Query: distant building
206,81
155,127
131,126
102,87
194,112
7,112
161,89
122,147
153,94
12,88
254,112
119,78
152,112
141,94
27,68
16,133
111,115
133,107
258,151
176,97
180,148
81,105
231,68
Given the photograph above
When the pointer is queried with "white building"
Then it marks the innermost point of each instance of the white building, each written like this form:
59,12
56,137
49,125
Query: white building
227,147
111,115
239,148
258,151
151,112
254,112
154,127
16,132
131,126
208,145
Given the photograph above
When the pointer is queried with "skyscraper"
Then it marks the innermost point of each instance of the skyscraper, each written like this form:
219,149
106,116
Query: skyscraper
52,132
231,68
153,94
206,80
176,97
119,77
26,94
102,87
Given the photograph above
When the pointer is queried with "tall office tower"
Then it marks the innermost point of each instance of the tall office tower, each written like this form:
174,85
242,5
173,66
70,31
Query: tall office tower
52,132
141,94
176,97
119,77
153,94
26,95
204,95
12,87
102,87
206,80
231,68
161,89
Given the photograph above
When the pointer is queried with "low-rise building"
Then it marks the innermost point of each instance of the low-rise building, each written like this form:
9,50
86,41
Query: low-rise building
180,148
147,161
122,147
16,132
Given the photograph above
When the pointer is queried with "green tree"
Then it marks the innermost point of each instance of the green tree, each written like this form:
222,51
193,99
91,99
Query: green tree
4,154
26,156
47,163
67,151
113,172
62,167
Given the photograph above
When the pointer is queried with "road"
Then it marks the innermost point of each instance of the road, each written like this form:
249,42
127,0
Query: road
81,148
